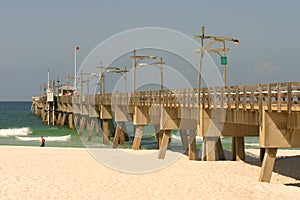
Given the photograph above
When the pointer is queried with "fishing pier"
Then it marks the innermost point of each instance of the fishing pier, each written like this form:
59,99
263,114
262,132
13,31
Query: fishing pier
270,111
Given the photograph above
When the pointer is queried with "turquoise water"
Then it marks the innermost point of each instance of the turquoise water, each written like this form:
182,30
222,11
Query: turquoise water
19,127
17,122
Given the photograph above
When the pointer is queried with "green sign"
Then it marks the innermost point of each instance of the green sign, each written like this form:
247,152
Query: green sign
223,60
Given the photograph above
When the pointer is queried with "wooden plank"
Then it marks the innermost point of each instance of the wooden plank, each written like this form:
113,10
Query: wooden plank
252,98
164,144
289,97
228,97
269,97
138,137
192,145
268,165
244,98
278,97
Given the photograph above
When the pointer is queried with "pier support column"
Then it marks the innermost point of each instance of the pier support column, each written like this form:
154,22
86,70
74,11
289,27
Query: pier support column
63,119
119,134
81,127
91,129
268,165
159,135
105,131
220,150
192,145
59,117
138,137
240,148
75,120
209,148
233,149
111,127
71,121
164,144
184,140
97,128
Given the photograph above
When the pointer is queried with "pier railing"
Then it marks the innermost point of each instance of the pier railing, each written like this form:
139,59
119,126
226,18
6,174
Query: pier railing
275,97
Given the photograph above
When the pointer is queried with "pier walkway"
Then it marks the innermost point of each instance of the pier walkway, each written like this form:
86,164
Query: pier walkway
270,111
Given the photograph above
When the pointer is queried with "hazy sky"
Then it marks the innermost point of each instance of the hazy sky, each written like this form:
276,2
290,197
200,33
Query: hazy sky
39,35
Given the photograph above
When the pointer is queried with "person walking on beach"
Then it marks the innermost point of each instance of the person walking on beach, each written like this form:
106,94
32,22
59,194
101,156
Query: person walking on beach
42,141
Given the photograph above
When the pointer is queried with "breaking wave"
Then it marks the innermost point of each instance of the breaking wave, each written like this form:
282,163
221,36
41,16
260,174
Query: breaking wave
15,132
47,138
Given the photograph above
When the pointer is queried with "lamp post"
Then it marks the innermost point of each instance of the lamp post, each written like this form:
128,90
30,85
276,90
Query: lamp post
222,53
111,69
75,67
136,60
160,66
219,51
123,73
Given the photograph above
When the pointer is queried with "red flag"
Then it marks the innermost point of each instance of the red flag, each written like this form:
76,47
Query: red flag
77,48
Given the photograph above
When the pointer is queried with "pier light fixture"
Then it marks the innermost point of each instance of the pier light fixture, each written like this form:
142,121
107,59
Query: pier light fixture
136,60
160,66
110,69
75,66
236,41
220,51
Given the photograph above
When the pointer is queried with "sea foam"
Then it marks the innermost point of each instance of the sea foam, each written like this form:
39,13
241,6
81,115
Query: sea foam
48,138
15,132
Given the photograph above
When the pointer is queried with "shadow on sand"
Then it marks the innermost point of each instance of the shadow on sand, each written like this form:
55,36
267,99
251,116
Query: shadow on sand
287,165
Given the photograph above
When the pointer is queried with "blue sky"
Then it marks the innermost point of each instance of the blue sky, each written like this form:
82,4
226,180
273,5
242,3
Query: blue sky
39,35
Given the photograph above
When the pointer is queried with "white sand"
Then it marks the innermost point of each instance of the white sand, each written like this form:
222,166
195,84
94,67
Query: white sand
57,173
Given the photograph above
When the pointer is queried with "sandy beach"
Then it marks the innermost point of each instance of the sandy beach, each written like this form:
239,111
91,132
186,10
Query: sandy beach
70,173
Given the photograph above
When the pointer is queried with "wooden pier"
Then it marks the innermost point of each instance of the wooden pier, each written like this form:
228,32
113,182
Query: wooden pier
270,111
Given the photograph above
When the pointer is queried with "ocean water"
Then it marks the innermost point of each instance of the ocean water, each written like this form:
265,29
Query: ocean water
19,127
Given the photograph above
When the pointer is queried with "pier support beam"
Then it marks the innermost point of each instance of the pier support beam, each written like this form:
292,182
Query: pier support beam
82,124
192,145
105,131
71,121
119,134
184,140
63,119
75,120
159,135
268,165
164,144
138,137
91,129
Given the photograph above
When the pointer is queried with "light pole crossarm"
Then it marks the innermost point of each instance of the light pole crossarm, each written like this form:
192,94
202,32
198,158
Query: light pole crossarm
217,38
